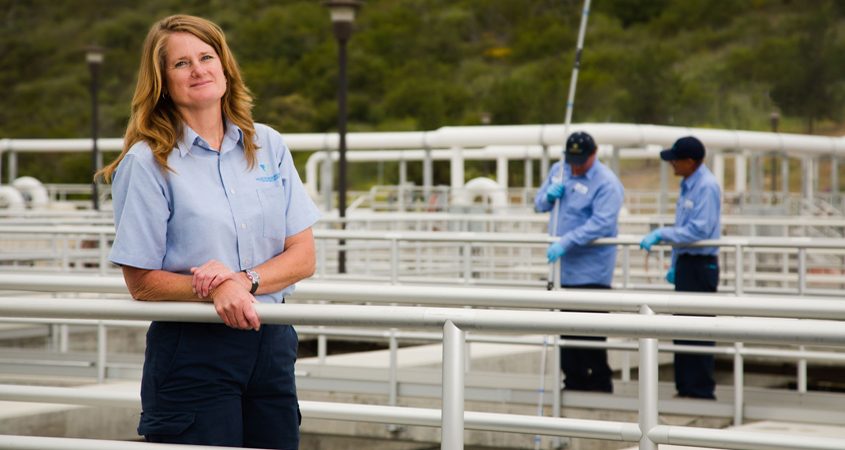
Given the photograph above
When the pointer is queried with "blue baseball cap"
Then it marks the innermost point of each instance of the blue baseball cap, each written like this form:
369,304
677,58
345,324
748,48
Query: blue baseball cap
579,147
683,148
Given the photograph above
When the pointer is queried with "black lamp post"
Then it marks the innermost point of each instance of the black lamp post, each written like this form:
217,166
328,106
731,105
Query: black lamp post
94,57
343,16
774,119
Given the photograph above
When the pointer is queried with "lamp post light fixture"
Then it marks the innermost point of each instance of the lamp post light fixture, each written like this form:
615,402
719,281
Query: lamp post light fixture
94,58
343,16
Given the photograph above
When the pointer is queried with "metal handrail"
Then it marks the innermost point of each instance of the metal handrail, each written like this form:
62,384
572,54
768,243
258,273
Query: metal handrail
577,299
645,326
785,246
467,236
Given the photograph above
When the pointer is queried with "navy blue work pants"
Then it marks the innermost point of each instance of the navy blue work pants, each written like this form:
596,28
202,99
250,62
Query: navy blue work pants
694,373
210,384
586,369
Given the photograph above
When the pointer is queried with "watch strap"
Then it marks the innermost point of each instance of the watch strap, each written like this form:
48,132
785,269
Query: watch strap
254,278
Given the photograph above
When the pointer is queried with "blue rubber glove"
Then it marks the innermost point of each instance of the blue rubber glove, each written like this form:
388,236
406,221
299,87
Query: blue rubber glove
554,192
649,240
554,252
670,276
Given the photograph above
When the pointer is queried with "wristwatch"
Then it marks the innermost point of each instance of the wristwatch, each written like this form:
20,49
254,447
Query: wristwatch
254,278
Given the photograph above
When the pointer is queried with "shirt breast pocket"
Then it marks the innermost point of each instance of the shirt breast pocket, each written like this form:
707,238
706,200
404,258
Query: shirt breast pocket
578,204
273,206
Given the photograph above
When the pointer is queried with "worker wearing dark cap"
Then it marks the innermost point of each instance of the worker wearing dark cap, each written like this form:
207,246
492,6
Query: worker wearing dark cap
590,197
694,269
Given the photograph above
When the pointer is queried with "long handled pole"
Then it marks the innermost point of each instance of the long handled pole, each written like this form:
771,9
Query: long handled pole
554,269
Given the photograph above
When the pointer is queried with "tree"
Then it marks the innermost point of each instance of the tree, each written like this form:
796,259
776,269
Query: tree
805,66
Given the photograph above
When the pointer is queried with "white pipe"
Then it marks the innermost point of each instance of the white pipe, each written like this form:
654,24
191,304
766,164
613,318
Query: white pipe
11,198
787,331
10,442
452,421
582,300
740,172
491,152
719,169
739,440
456,168
648,384
484,187
584,428
739,382
502,171
613,134
541,135
33,191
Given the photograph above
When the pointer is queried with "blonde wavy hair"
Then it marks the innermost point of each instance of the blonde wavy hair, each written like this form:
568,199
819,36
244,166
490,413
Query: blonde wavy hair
154,118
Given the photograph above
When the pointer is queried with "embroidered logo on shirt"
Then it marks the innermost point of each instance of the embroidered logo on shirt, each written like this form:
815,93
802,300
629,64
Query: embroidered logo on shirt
266,178
581,188
688,204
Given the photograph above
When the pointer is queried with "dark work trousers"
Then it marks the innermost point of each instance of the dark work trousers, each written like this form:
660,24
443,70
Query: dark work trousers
586,369
209,384
694,372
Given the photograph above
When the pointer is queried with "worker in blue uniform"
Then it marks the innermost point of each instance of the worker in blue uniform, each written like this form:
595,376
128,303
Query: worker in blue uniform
208,207
590,197
693,269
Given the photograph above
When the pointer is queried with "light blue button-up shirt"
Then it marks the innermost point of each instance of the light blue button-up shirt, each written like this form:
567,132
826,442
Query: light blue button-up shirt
210,206
589,209
697,214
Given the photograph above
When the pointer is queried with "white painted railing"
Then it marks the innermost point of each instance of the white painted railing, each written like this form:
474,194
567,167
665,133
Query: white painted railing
645,326
677,303
525,142
430,253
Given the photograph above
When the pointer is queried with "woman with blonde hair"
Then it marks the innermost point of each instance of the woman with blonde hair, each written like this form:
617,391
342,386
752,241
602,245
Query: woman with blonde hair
209,207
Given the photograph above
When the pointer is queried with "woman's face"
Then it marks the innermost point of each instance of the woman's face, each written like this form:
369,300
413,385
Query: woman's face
193,73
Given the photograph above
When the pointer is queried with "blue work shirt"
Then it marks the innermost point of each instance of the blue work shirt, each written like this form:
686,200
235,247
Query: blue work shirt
210,206
697,214
589,209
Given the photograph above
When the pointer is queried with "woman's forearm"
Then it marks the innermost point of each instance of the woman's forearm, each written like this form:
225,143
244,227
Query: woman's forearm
159,285
296,263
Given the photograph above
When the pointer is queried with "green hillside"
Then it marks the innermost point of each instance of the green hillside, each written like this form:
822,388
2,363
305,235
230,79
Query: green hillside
422,64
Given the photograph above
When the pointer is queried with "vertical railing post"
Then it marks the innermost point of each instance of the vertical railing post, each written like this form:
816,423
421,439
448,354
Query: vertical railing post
541,388
321,257
738,270
394,261
65,255
802,372
648,386
101,352
802,270
103,254
64,338
322,347
394,376
394,368
626,266
467,262
13,167
785,269
452,418
739,384
322,341
557,389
